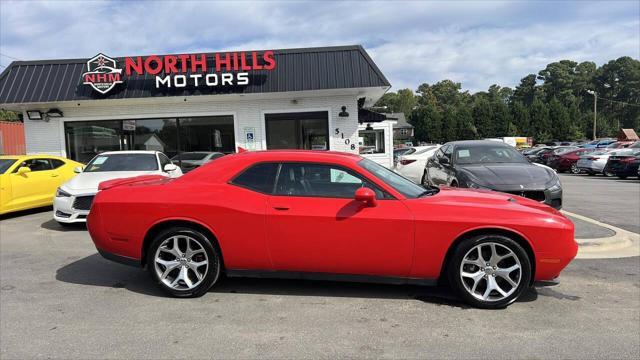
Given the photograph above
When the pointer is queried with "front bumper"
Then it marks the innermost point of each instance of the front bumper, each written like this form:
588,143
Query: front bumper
550,197
65,212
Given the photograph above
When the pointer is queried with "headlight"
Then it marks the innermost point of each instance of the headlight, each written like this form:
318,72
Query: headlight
62,193
557,186
472,185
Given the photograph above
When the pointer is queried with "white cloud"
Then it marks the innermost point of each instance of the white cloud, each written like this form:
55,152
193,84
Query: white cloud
476,43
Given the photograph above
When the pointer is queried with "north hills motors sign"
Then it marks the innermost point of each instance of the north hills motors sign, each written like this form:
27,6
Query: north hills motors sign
179,71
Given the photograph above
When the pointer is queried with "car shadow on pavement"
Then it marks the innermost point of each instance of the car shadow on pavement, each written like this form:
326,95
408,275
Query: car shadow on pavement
17,214
55,226
93,270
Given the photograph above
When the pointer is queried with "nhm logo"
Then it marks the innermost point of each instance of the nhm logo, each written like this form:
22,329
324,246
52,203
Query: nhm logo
102,73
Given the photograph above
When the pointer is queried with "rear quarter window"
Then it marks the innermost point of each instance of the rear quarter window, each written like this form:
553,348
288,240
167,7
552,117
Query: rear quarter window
258,177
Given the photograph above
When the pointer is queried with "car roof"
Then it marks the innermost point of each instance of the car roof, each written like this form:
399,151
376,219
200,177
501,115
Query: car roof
303,155
129,152
476,142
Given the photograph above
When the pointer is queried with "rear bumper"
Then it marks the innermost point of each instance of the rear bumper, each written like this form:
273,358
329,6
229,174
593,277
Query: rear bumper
119,258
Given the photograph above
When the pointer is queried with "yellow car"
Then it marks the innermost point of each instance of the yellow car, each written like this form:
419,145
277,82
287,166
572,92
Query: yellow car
30,181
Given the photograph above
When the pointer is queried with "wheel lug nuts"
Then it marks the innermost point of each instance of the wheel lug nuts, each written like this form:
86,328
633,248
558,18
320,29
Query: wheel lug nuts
495,267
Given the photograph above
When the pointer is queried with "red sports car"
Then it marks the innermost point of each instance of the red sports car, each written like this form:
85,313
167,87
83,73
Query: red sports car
327,215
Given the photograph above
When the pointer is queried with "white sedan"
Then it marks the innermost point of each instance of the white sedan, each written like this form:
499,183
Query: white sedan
73,199
412,165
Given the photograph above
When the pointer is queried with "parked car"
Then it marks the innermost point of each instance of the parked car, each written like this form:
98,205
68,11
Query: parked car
595,162
412,166
619,144
191,160
481,164
635,145
568,160
74,198
624,163
598,143
28,182
544,156
401,151
326,215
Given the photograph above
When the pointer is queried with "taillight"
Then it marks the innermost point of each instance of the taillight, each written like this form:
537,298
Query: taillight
406,162
627,159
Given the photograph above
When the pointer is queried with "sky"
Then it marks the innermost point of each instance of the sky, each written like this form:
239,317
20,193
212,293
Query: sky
476,43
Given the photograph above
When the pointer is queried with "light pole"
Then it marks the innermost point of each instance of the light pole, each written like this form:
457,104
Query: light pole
595,110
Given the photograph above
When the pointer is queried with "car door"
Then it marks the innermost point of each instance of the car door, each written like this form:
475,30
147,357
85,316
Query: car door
437,169
314,224
34,188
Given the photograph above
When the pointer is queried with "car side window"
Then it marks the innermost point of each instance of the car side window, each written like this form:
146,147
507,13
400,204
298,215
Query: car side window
164,160
55,163
439,154
321,180
259,177
35,165
447,151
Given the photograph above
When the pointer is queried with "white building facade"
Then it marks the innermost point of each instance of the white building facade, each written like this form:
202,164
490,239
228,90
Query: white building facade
255,100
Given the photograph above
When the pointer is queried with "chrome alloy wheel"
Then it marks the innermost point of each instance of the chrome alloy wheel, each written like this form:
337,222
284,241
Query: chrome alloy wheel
181,262
490,271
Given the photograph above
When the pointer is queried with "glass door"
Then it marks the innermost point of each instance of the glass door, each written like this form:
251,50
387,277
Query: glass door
85,139
305,130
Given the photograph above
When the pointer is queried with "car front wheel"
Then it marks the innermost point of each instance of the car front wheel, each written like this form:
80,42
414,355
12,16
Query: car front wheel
575,169
489,271
184,262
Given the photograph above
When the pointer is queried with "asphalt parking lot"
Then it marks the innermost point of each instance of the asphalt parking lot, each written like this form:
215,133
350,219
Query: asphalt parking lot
59,299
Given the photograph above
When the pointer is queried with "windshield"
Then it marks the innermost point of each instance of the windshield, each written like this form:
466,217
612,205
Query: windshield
123,162
487,153
402,185
191,156
5,164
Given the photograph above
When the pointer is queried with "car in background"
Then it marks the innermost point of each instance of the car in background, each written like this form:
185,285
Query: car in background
191,160
619,145
412,165
73,199
635,145
624,163
490,165
401,151
598,143
327,215
568,160
28,182
595,162
542,157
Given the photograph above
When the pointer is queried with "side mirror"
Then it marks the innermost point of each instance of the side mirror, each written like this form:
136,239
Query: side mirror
23,170
77,169
444,160
366,196
170,168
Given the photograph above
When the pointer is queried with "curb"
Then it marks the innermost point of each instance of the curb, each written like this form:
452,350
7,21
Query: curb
623,244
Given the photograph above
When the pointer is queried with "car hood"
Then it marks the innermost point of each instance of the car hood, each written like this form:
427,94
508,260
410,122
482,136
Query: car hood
89,181
507,176
483,199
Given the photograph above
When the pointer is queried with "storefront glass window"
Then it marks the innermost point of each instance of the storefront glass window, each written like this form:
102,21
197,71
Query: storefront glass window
85,139
211,133
154,134
371,141
307,130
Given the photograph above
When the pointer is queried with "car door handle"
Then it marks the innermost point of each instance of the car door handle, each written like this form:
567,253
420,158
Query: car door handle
54,175
281,208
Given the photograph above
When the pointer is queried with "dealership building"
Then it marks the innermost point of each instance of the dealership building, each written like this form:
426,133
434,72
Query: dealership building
310,98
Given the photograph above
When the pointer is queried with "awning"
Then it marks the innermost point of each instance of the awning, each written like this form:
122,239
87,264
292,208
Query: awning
368,116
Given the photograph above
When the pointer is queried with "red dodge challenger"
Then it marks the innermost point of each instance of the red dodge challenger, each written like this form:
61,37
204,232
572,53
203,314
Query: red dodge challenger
327,215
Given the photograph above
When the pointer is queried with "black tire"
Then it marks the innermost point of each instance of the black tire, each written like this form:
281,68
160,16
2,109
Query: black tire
622,177
454,183
424,182
212,271
590,173
575,169
454,267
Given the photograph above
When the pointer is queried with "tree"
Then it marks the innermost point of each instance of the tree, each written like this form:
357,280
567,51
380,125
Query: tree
6,115
427,123
526,91
449,124
540,124
559,119
520,118
483,118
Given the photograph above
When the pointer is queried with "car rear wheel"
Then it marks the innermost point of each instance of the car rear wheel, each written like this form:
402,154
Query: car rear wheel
575,169
184,262
489,271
